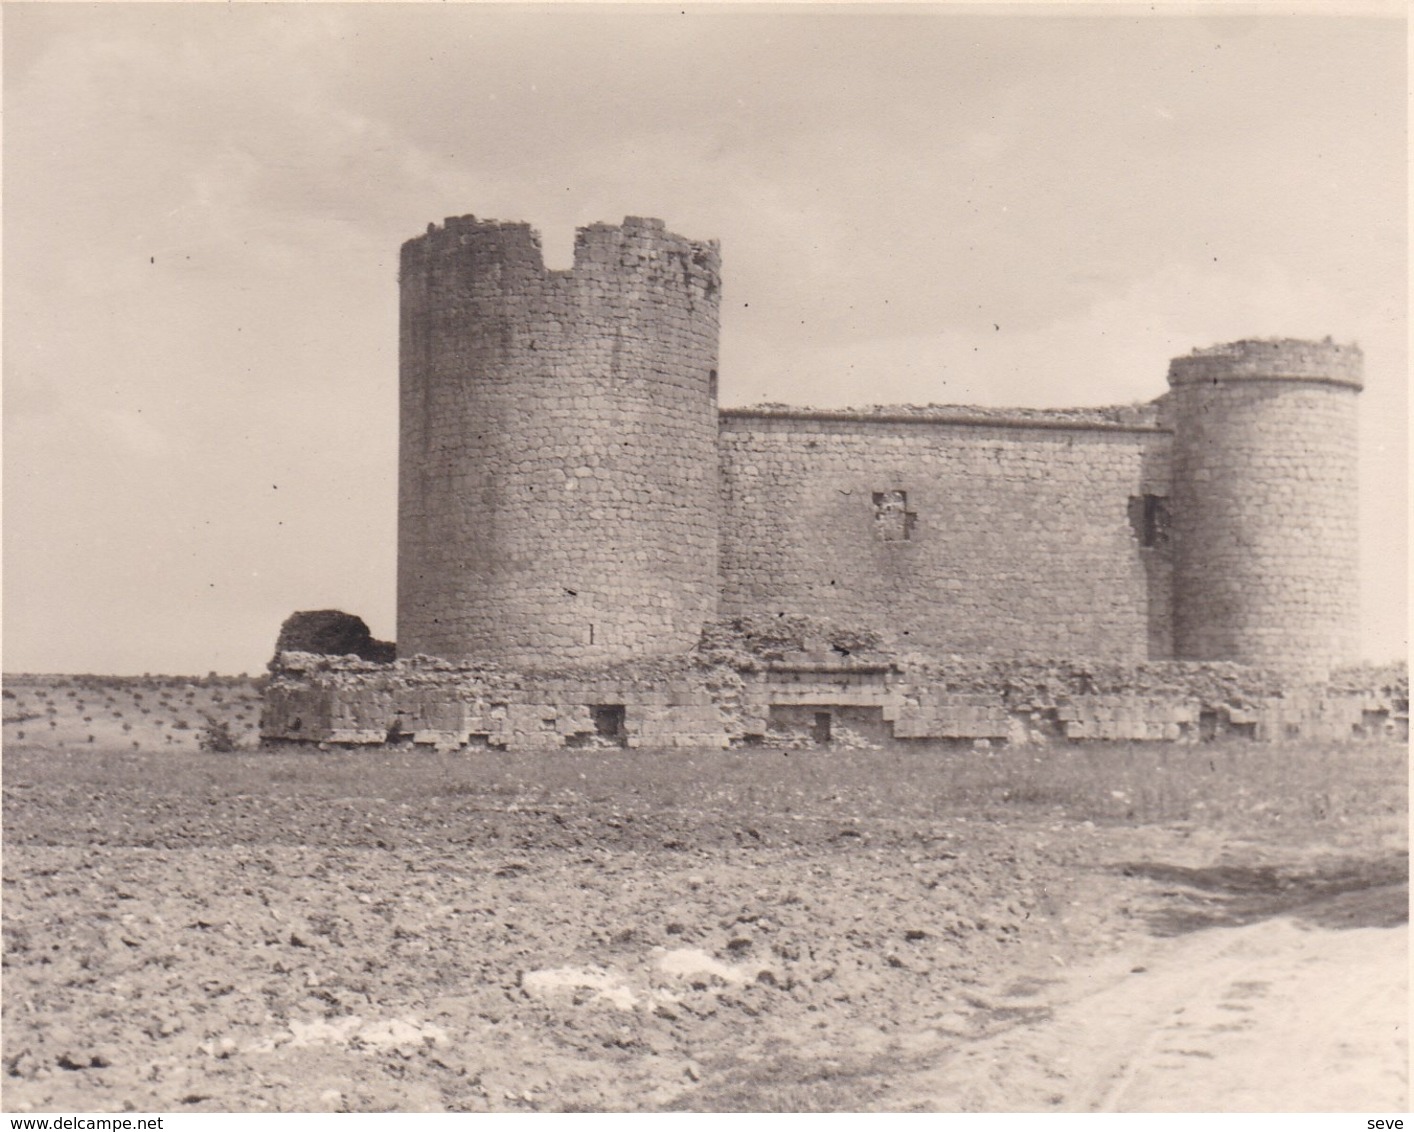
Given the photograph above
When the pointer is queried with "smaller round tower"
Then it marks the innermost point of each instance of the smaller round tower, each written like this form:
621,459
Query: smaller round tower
1265,504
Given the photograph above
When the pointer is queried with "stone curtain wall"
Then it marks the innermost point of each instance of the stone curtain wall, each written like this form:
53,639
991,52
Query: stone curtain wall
810,701
954,534
1265,505
669,703
558,468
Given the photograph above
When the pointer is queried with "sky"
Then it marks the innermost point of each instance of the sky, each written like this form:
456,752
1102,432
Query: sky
203,206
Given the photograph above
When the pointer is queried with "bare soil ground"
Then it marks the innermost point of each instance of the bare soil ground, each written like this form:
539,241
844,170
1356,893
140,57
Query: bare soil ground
614,930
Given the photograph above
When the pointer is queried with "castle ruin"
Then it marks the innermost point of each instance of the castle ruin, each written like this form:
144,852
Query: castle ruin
575,508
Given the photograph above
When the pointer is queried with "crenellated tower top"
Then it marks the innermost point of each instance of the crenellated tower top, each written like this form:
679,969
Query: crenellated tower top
1272,359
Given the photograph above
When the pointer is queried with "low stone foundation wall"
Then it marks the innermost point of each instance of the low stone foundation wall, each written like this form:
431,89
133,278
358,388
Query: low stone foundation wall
318,699
811,699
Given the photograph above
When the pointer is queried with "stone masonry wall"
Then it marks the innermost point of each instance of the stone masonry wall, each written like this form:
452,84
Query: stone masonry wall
809,700
668,703
557,479
957,533
569,492
1265,504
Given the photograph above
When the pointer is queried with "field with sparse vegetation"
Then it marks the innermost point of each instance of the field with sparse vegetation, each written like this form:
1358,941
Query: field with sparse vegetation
191,922
166,713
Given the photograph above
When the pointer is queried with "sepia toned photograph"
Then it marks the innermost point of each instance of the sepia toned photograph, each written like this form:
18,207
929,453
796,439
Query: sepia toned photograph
712,558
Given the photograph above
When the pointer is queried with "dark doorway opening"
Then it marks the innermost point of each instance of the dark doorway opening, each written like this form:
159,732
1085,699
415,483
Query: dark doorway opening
609,721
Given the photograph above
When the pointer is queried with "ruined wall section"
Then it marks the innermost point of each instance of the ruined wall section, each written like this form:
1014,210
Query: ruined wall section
657,703
1265,504
815,699
557,471
980,534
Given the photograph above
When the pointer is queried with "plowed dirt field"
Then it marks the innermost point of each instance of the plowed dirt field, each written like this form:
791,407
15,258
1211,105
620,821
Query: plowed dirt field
393,930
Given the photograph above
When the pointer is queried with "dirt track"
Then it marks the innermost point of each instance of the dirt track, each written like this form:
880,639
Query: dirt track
1286,1015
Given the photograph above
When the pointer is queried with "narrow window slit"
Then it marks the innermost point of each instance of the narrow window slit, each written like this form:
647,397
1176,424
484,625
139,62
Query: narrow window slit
1149,519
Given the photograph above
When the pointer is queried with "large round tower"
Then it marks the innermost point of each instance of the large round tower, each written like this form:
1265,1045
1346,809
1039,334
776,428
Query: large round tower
1264,504
558,444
